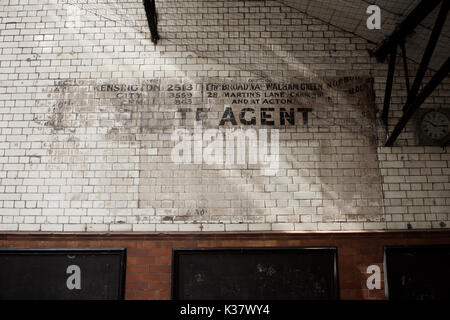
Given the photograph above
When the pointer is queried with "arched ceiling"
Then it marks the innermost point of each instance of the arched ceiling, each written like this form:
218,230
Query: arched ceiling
350,15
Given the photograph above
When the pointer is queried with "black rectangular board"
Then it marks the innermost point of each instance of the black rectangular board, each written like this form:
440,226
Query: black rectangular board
42,274
417,272
255,274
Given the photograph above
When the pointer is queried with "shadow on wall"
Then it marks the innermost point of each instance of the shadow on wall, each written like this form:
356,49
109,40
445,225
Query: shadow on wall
121,128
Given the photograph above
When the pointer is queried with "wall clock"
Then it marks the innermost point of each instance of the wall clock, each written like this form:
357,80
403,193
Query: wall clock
433,126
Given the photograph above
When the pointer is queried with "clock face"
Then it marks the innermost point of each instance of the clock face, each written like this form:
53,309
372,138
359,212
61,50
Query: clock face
435,125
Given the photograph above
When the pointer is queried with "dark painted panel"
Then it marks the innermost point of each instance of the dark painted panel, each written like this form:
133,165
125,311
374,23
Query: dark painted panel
275,273
67,274
417,273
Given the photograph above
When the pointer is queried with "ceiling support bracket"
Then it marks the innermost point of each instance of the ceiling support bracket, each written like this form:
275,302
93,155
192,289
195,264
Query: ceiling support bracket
417,102
416,16
414,100
437,29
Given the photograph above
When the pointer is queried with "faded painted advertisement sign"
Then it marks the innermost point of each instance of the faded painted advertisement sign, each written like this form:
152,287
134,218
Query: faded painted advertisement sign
210,150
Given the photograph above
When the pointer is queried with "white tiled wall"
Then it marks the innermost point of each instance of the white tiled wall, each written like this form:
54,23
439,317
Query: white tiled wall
92,166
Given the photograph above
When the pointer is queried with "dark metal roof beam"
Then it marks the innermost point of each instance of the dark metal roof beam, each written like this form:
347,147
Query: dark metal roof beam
405,67
421,97
437,29
416,16
389,81
152,18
